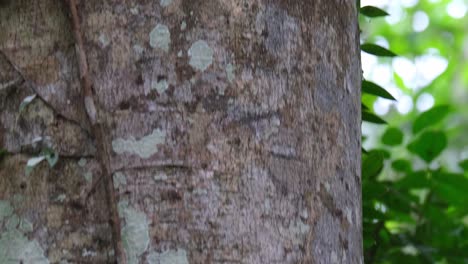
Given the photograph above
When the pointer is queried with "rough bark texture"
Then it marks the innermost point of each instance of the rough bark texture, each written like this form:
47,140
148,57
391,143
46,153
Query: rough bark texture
233,125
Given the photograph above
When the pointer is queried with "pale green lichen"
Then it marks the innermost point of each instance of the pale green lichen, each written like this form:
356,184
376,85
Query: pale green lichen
165,3
183,25
134,10
160,176
104,40
178,256
5,209
82,162
16,248
200,191
121,206
60,198
298,229
88,176
138,49
160,37
18,199
230,72
12,222
26,226
201,55
160,86
145,147
135,233
119,180
88,253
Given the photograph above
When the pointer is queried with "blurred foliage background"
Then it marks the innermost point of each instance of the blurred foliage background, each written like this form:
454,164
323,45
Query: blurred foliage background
415,167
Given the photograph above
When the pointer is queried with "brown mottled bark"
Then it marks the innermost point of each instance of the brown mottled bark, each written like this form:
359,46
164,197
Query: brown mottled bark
231,130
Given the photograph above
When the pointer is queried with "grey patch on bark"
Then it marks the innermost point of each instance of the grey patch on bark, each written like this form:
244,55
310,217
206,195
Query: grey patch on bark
281,30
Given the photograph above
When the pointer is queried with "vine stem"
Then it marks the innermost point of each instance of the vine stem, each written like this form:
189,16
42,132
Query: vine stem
99,134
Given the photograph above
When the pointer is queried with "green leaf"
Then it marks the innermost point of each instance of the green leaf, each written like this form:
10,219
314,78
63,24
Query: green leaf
51,156
370,212
32,163
416,180
452,188
373,190
3,153
429,145
430,117
372,11
384,152
392,137
27,100
364,107
398,200
400,83
464,164
402,165
377,50
374,89
46,154
372,118
372,165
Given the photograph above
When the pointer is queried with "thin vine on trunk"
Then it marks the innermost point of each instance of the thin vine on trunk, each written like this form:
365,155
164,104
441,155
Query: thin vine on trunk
98,131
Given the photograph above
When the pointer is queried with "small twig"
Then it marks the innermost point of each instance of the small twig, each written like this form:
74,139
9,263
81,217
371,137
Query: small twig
103,152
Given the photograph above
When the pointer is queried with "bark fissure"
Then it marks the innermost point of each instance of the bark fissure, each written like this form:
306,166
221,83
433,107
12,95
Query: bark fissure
30,85
98,131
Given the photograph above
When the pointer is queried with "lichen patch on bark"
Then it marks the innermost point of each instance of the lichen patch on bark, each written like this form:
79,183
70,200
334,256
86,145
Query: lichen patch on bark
201,55
160,37
178,256
144,147
135,232
15,247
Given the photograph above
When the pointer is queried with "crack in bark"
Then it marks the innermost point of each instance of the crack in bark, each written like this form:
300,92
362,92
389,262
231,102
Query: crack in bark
165,166
30,85
284,156
102,144
8,85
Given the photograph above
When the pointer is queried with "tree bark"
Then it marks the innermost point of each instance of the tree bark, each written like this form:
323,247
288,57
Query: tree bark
228,129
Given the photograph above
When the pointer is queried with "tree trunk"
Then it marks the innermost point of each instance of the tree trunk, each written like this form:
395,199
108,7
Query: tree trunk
228,129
